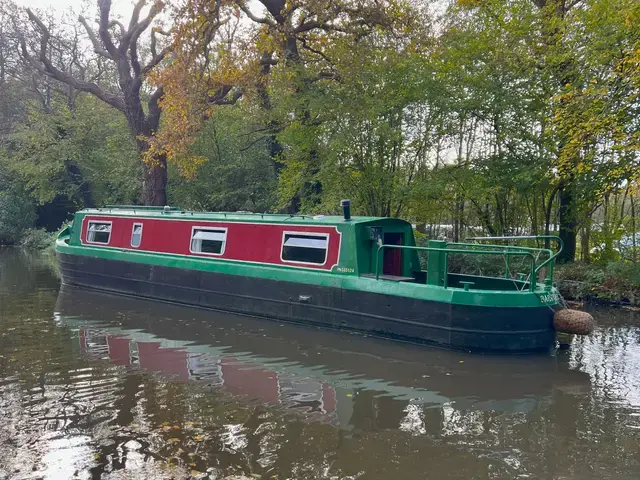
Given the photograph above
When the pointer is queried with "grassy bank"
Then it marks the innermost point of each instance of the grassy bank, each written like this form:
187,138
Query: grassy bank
613,283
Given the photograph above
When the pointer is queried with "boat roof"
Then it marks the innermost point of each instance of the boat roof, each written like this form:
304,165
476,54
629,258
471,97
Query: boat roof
175,212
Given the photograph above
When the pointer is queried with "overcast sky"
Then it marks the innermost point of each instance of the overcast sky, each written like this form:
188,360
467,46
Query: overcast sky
121,8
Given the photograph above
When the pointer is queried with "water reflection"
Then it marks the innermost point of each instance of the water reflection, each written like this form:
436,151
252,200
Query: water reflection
611,357
120,388
325,375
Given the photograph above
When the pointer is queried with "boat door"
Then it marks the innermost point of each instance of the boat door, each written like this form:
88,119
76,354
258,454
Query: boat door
393,257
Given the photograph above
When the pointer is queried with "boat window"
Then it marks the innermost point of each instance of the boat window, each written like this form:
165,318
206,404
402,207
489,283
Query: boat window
301,248
208,240
99,232
136,235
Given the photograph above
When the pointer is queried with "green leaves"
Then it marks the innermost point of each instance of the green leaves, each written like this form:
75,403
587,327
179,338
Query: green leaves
356,137
86,155
16,215
237,174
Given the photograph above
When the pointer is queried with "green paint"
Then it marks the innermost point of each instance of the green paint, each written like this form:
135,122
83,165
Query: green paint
176,213
357,257
436,265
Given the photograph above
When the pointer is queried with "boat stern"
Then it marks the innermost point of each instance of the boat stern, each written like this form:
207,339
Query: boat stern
509,322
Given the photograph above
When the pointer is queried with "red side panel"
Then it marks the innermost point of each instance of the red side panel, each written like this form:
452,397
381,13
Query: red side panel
250,242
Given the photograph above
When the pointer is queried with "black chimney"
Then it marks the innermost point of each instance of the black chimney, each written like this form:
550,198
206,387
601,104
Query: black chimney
346,209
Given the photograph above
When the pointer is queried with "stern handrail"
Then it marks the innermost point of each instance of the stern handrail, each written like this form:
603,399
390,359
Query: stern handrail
446,251
549,260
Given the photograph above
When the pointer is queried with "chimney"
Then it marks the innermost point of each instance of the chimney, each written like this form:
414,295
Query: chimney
346,209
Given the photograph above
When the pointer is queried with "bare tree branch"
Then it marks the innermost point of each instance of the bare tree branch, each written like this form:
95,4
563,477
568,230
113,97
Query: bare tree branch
132,36
242,6
156,59
221,96
306,46
97,46
44,65
135,16
154,40
105,8
136,30
114,23
135,61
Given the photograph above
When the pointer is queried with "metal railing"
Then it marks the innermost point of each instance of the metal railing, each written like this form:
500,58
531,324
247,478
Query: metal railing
549,261
507,251
446,251
507,269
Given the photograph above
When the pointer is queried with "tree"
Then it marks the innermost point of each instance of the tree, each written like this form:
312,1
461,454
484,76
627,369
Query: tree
120,47
16,215
83,156
215,65
12,91
365,135
238,171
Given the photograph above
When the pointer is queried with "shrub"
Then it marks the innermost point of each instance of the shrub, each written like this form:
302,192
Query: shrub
617,282
37,239
17,213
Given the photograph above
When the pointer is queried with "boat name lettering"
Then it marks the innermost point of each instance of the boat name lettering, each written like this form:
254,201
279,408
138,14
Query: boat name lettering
345,270
550,298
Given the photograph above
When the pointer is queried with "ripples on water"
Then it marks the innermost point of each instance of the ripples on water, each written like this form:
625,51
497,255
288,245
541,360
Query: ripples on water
96,386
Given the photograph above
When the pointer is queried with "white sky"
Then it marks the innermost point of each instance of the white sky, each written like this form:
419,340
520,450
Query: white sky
121,8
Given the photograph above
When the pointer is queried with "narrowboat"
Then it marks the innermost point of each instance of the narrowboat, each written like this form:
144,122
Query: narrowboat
362,274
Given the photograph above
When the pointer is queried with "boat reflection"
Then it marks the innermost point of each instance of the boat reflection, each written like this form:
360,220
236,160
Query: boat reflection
344,379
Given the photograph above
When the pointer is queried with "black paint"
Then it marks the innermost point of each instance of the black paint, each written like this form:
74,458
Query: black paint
495,329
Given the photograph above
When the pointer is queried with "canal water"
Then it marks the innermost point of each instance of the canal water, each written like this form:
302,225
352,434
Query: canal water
97,386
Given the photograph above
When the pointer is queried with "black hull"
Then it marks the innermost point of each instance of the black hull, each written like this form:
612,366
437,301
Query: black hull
462,327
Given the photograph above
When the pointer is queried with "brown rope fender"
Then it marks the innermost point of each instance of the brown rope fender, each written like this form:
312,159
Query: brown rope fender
573,321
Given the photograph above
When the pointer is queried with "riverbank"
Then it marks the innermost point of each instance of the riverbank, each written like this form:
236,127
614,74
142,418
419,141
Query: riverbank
614,283
34,240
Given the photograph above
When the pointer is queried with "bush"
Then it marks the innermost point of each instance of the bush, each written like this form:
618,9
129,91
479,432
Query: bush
616,282
37,239
17,213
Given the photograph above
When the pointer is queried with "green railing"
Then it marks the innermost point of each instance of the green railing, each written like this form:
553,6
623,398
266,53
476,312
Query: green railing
507,251
446,251
550,261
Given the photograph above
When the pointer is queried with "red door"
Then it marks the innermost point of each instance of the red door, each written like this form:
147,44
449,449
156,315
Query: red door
393,256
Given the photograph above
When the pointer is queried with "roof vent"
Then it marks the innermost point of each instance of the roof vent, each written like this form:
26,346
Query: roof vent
346,209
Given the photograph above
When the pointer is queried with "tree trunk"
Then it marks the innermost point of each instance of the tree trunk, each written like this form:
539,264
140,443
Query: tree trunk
633,229
585,240
121,51
154,183
606,229
567,224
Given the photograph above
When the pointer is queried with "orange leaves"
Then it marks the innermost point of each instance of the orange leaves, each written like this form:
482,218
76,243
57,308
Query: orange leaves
218,53
207,63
